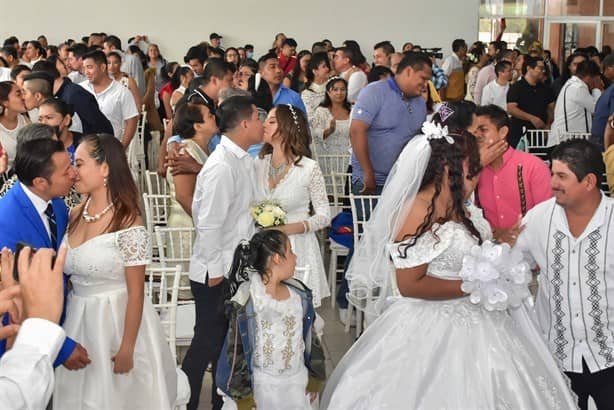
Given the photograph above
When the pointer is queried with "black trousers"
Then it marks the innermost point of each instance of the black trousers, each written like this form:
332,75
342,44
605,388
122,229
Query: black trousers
598,385
209,333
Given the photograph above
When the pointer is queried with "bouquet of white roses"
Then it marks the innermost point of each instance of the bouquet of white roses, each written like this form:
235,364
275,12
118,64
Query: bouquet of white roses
495,276
268,213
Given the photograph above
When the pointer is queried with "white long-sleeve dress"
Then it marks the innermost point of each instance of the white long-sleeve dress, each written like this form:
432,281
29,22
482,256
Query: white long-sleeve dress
303,184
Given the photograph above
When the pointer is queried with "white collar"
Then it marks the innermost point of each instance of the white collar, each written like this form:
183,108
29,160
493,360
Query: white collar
598,219
233,147
39,203
91,87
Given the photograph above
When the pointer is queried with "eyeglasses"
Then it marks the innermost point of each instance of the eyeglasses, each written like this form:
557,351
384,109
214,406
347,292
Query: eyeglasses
198,94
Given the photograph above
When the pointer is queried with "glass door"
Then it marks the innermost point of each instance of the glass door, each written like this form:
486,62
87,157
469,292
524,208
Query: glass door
565,36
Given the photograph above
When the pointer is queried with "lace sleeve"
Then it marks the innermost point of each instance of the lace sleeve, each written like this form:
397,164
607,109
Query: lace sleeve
135,246
318,123
428,247
317,192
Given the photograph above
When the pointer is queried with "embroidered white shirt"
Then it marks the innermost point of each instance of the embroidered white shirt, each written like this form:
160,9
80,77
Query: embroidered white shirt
576,284
220,209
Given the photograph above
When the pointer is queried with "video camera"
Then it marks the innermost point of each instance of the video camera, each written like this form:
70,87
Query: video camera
433,52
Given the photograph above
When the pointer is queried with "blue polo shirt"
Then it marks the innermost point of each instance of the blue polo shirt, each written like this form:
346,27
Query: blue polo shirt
393,121
603,109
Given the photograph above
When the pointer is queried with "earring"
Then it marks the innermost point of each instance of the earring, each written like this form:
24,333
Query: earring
105,182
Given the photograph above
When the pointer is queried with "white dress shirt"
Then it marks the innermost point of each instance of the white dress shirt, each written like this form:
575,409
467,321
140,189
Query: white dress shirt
577,103
451,63
495,93
26,370
576,284
39,204
76,77
5,74
356,82
225,189
116,103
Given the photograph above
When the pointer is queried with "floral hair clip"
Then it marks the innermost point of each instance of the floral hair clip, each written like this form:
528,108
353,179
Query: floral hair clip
435,131
294,116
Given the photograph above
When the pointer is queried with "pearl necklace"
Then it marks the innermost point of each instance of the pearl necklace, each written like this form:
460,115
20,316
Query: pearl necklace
88,218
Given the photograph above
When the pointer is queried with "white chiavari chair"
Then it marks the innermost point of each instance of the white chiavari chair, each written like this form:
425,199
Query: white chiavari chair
332,164
341,183
155,184
362,208
156,214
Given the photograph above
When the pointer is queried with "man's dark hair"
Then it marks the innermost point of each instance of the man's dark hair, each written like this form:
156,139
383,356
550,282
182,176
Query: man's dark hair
501,66
496,114
290,42
268,56
458,44
588,68
582,157
195,52
386,46
217,51
530,62
46,66
608,61
18,69
499,45
78,50
505,53
249,47
378,72
318,46
98,56
113,41
416,61
40,82
234,110
11,41
34,159
350,53
9,50
217,68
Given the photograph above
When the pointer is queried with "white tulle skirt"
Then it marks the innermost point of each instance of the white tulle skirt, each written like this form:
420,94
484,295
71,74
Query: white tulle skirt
448,355
95,319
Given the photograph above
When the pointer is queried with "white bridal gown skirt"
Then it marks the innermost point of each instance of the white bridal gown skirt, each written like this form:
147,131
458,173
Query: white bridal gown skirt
447,355
95,318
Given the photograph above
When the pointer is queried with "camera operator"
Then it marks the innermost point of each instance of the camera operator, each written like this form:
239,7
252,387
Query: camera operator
26,371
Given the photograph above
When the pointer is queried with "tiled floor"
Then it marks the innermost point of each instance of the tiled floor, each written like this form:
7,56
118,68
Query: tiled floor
336,343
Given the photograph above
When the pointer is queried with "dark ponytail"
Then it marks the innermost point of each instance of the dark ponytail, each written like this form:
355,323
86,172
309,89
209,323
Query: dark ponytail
252,257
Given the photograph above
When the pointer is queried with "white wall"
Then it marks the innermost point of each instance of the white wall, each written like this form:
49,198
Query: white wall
175,25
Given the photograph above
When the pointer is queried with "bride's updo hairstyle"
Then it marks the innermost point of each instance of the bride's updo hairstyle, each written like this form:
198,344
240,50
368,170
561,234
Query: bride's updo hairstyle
123,193
252,257
457,117
293,128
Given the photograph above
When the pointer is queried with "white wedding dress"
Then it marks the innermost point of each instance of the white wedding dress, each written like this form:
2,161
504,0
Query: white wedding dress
448,354
95,315
303,184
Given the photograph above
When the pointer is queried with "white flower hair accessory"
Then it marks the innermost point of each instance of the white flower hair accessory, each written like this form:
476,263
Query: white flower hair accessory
434,132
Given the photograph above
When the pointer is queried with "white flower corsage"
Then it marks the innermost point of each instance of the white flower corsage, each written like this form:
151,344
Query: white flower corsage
434,131
495,276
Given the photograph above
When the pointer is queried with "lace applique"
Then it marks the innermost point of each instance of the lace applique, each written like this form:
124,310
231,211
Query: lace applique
319,200
134,246
426,248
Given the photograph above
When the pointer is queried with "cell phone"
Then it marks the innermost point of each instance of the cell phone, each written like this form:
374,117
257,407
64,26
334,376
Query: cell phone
18,248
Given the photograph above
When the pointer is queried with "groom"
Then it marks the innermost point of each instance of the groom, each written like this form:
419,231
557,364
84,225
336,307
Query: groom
571,238
220,210
33,212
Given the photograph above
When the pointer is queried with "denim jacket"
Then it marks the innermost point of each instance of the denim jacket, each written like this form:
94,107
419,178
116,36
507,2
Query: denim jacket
234,374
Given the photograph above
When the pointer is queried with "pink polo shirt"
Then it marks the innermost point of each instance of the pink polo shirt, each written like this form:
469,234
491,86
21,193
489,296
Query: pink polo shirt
499,191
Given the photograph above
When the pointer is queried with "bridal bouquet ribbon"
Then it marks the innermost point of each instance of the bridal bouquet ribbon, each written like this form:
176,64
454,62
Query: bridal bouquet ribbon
495,276
268,214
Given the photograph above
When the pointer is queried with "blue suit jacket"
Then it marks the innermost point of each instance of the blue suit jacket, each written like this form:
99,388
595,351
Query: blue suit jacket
19,221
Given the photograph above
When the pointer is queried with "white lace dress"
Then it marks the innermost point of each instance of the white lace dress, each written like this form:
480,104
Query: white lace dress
280,374
312,97
303,184
336,143
447,354
95,317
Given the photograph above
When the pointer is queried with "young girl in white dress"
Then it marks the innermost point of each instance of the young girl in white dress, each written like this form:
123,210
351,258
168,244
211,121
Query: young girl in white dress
431,347
108,247
286,174
267,358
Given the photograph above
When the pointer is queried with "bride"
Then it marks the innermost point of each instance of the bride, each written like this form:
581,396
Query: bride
108,248
285,173
431,348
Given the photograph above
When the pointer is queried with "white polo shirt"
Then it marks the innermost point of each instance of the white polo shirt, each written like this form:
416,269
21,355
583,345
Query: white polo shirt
116,103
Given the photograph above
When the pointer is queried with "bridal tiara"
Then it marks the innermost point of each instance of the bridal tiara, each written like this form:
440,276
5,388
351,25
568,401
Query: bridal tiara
294,116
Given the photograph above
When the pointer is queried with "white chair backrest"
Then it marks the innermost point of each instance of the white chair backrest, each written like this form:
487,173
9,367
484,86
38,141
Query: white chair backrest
162,288
362,207
155,184
332,164
341,197
536,139
302,273
175,247
156,210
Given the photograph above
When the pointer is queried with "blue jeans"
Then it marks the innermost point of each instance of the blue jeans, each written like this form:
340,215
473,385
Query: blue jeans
343,288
